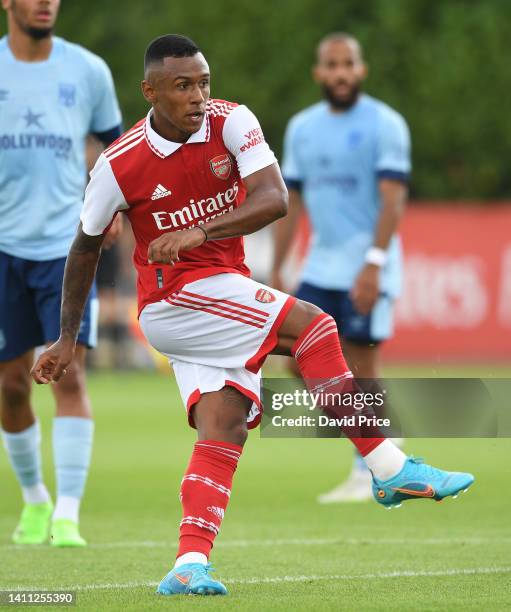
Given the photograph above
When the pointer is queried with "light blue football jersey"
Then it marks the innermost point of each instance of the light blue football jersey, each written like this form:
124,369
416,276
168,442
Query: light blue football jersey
336,160
46,111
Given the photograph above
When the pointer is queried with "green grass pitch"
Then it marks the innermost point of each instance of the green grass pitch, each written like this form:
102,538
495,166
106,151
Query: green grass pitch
278,549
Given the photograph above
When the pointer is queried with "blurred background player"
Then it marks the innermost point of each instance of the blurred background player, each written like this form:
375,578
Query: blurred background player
347,159
55,94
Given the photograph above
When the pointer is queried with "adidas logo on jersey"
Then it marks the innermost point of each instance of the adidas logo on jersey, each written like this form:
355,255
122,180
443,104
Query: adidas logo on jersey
160,192
218,512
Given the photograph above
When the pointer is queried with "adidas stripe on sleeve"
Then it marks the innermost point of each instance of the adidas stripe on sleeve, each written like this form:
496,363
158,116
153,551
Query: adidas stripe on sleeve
103,199
244,138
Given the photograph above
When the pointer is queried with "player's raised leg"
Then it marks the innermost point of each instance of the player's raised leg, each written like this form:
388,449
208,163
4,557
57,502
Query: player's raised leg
220,418
363,358
311,336
21,437
73,431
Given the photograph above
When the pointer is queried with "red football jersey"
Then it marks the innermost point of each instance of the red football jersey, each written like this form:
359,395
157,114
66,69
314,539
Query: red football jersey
165,186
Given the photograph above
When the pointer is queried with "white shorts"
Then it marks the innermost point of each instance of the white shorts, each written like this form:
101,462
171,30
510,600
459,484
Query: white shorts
217,332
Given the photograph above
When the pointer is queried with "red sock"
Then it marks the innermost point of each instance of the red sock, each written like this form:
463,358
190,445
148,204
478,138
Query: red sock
319,356
205,492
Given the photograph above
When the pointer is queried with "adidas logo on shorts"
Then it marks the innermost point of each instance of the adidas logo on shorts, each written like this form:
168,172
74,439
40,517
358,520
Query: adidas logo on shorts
160,192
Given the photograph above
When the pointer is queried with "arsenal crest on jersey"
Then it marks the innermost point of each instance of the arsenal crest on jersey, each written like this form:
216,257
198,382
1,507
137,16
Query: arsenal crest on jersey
264,296
221,166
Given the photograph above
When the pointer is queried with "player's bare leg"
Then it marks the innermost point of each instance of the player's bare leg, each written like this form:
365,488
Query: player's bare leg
221,421
16,383
21,437
72,445
313,340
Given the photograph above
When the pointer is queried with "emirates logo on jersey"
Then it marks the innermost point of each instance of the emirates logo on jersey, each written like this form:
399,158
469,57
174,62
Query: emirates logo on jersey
264,296
221,166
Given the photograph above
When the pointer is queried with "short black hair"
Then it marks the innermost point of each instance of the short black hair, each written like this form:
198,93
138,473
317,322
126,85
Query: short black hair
341,37
169,45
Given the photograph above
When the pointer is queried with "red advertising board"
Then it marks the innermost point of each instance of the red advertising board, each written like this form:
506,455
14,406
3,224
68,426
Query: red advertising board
456,302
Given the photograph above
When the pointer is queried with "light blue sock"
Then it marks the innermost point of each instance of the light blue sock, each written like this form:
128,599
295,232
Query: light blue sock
72,447
23,449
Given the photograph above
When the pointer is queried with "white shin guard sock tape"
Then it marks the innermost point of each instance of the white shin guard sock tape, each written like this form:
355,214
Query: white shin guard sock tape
191,557
386,460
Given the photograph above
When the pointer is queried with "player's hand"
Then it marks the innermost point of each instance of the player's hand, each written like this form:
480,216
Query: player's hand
51,365
114,232
165,249
366,289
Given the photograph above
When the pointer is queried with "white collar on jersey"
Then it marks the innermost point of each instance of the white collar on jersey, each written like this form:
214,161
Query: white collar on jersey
163,147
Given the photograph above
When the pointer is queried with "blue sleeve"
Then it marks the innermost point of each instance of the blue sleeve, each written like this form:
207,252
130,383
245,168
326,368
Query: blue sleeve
290,163
393,148
108,136
106,114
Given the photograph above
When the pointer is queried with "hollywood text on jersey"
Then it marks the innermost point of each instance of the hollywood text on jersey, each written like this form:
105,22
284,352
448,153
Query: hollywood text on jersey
60,145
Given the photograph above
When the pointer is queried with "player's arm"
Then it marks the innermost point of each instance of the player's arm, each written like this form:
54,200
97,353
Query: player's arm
266,200
105,127
393,168
103,200
284,232
366,289
393,196
95,145
79,273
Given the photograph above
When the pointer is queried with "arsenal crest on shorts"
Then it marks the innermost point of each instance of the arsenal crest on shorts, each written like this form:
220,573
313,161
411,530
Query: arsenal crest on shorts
221,166
264,296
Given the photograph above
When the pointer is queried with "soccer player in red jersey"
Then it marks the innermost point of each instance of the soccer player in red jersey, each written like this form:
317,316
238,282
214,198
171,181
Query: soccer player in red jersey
193,177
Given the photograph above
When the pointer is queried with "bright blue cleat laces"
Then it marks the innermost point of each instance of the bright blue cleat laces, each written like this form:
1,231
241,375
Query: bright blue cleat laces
418,480
191,579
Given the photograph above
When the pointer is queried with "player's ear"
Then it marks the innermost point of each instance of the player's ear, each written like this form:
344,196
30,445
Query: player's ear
6,4
148,91
364,71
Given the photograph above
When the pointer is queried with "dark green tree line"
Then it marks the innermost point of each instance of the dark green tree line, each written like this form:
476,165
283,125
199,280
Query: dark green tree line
442,63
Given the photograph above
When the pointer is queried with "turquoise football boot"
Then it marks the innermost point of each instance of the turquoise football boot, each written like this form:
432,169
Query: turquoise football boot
191,579
418,480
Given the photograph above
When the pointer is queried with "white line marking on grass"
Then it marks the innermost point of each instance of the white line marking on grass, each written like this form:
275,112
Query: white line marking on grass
469,571
294,542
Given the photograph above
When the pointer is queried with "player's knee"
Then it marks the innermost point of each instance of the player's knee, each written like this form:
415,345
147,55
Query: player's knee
15,390
307,313
73,382
225,430
239,433
222,415
310,312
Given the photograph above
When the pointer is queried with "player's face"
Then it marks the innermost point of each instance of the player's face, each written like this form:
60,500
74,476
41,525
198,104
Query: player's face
340,72
179,91
34,17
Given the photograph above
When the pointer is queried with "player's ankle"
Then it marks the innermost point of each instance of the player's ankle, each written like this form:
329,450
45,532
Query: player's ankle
191,557
385,461
36,494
